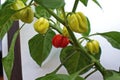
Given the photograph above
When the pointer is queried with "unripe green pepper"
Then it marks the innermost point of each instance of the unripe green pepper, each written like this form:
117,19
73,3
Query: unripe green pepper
93,46
17,5
78,22
60,41
27,15
41,25
65,32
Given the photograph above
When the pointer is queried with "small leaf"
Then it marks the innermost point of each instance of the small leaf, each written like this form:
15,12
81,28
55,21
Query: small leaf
40,46
73,60
85,2
5,21
89,29
112,75
9,59
53,4
41,12
55,77
112,37
95,1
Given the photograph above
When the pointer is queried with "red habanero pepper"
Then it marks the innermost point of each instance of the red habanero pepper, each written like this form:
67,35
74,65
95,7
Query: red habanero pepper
60,41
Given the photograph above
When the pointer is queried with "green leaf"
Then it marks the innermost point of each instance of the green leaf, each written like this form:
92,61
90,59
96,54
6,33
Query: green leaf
41,12
5,28
59,77
76,76
55,77
112,37
95,1
85,2
40,46
112,75
5,21
89,29
53,4
8,3
73,60
9,59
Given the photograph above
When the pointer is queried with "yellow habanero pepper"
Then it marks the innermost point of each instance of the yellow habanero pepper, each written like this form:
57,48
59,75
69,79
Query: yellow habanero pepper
41,25
93,46
78,22
17,5
65,32
27,15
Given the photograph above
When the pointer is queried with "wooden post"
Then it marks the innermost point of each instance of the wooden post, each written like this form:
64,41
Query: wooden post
17,69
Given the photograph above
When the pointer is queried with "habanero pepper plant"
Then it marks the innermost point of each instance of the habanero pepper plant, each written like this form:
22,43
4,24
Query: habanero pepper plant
57,27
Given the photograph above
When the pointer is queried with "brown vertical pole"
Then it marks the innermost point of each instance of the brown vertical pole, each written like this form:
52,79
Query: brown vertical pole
17,69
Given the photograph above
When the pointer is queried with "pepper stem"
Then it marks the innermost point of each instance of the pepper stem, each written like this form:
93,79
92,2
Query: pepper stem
75,5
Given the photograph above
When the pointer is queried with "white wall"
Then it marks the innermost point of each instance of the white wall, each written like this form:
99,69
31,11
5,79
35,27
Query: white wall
103,20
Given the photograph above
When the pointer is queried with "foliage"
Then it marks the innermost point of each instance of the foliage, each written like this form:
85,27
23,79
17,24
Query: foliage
75,57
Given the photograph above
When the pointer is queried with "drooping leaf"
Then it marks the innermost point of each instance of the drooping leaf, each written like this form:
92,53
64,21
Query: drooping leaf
73,60
113,37
95,1
55,77
41,12
9,59
85,2
89,29
40,46
5,21
112,75
52,4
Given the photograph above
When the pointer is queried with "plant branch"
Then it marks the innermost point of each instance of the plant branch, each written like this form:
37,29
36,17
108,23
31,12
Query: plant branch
75,5
69,30
93,34
31,2
53,14
85,68
90,73
56,28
